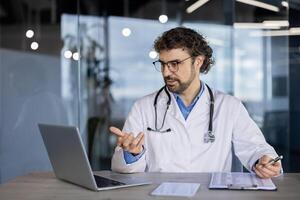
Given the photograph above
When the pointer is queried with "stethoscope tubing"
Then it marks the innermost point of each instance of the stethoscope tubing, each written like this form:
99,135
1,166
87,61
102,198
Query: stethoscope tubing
211,113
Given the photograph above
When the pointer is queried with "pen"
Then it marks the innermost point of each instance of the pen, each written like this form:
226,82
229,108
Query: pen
272,161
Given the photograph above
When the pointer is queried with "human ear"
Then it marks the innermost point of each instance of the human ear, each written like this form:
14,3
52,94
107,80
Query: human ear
199,61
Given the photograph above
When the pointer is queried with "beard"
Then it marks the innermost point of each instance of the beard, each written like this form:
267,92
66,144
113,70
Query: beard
177,86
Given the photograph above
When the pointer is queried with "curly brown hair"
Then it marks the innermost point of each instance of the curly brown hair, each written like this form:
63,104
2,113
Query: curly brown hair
181,37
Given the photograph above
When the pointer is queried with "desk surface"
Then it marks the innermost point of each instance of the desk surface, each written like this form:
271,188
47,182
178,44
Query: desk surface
45,186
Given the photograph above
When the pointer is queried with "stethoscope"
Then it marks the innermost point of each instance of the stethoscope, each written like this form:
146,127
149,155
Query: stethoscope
208,137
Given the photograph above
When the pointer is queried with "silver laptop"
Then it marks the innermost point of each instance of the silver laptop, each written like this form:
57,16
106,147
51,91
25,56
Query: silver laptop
69,160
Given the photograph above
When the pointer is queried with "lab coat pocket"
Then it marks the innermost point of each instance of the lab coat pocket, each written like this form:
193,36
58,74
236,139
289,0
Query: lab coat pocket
158,154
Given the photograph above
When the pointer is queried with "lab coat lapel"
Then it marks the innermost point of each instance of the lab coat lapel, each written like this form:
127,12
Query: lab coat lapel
201,108
173,111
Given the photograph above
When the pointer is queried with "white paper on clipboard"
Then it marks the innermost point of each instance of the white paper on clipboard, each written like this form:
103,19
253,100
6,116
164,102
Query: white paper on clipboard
239,181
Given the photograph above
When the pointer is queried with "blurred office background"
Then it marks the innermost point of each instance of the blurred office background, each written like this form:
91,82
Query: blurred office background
85,62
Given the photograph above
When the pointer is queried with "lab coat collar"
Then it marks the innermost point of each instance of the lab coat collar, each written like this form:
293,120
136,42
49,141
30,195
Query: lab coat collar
200,108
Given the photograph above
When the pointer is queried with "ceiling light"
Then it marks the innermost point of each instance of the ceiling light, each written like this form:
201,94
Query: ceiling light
260,4
285,4
281,23
295,31
196,5
34,45
126,32
29,33
253,26
152,54
272,33
68,54
267,24
76,56
163,19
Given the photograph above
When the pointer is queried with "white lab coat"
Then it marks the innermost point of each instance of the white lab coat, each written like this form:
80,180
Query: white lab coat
183,149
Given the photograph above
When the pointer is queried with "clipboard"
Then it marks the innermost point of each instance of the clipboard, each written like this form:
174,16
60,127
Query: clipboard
240,181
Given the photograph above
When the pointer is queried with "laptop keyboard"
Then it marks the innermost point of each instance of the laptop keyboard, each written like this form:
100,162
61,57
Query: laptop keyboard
105,182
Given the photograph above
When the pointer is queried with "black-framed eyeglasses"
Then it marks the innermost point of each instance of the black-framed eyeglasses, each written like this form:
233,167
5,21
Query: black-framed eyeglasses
172,65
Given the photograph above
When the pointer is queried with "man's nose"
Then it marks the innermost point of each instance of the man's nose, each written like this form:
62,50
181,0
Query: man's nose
165,70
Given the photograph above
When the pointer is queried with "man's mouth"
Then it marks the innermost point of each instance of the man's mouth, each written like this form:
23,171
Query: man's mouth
168,79
171,82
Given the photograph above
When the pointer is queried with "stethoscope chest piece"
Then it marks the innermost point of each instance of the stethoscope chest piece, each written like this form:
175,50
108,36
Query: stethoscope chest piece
209,137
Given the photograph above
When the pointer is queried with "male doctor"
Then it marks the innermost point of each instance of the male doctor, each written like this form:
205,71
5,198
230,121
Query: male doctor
186,126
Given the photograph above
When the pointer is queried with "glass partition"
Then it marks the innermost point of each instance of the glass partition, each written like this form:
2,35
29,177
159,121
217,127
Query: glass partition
261,68
38,81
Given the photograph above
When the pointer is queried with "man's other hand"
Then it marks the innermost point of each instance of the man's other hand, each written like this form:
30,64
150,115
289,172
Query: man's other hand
128,142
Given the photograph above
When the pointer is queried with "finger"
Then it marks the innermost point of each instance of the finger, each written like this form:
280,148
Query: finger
127,141
116,131
137,139
141,144
264,160
275,168
122,139
268,171
258,173
142,141
276,165
264,174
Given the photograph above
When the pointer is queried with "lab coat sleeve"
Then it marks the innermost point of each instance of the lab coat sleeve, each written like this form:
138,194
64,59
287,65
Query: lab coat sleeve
133,124
248,141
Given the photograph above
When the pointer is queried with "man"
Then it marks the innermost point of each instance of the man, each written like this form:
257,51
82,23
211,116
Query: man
169,130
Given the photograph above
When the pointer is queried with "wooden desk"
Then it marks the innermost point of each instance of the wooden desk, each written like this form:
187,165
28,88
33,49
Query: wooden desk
45,186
